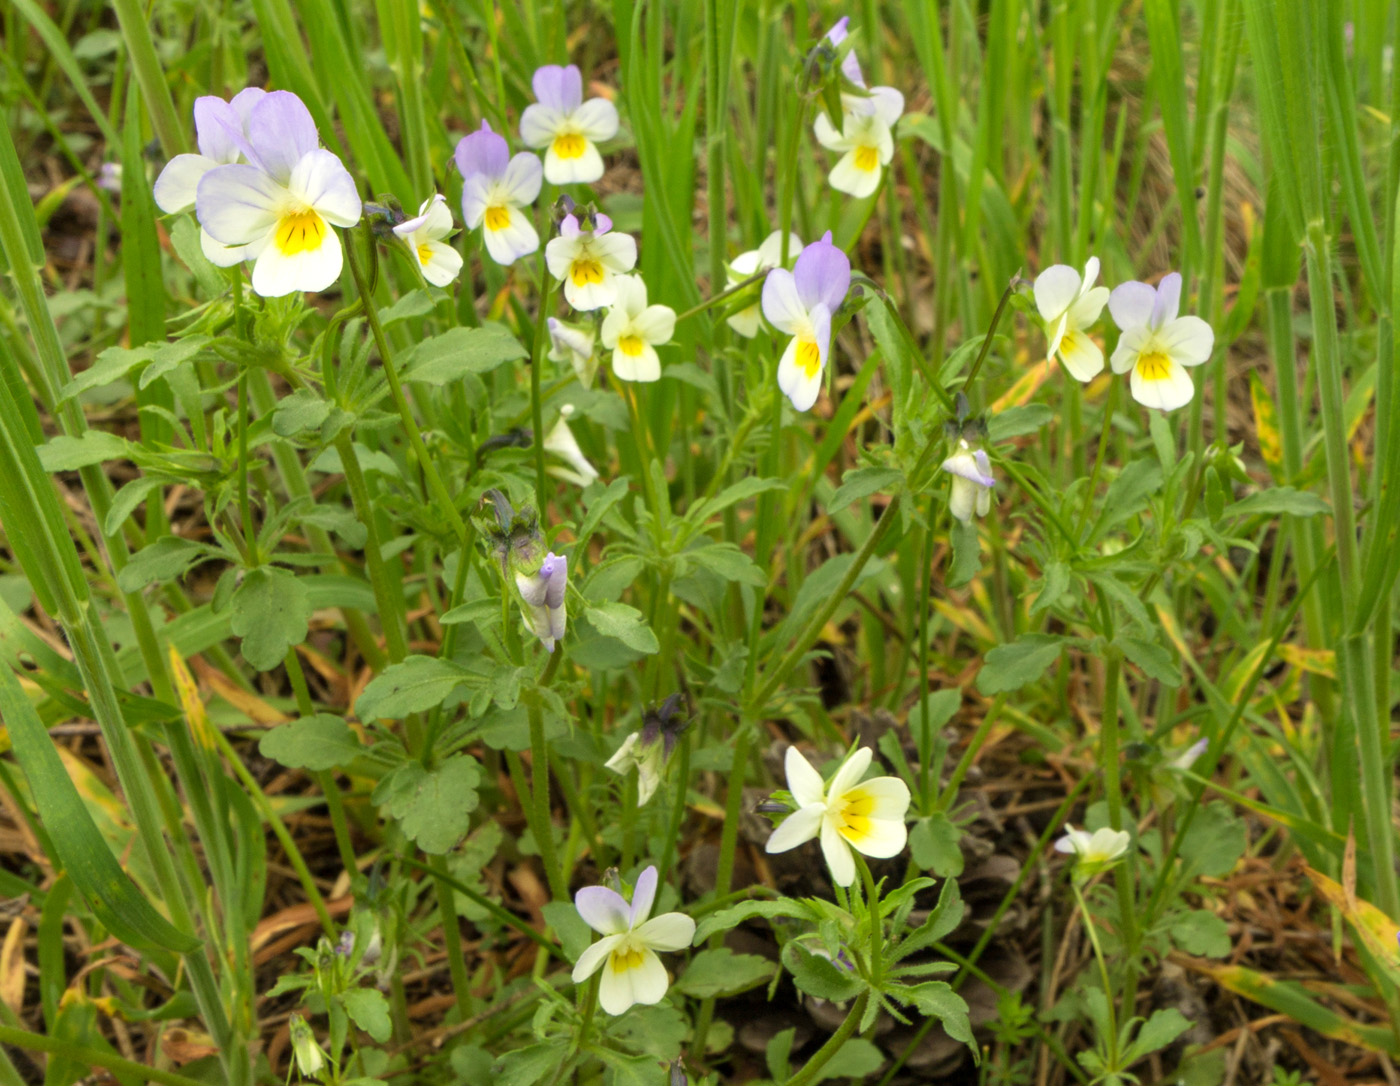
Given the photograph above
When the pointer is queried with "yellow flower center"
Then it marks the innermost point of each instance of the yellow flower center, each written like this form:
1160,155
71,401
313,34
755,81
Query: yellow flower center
627,956
809,357
425,254
1154,366
867,157
569,145
300,232
586,271
630,345
1067,343
853,820
497,217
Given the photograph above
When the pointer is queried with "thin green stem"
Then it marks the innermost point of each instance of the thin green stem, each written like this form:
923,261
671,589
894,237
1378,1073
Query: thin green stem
536,400
92,1057
823,1055
541,823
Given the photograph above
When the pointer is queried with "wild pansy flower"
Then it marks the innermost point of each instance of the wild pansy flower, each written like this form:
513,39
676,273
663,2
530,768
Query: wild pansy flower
495,189
1156,344
632,329
560,441
1068,305
567,125
109,178
802,302
767,256
281,205
219,129
574,346
310,1057
542,599
865,815
424,237
867,127
588,262
1094,852
649,749
632,973
972,482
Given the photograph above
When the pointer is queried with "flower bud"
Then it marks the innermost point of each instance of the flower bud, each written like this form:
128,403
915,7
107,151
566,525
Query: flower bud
310,1057
542,599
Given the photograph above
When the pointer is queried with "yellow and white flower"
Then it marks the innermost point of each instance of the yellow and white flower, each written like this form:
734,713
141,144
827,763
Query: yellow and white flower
1069,304
424,237
1156,344
867,816
589,262
497,190
567,126
866,137
560,442
767,256
574,346
632,973
632,329
1094,852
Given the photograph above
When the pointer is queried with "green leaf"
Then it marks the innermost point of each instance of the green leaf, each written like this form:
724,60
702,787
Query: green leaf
415,684
933,713
369,1010
184,236
624,623
1012,666
1053,585
319,742
658,1031
933,842
1278,501
1128,493
454,354
302,410
723,973
1015,421
819,976
433,806
936,999
1202,933
743,490
967,554
574,935
1164,1027
270,611
167,559
735,915
861,483
1214,843
170,356
527,1066
856,1059
629,1070
729,562
111,365
777,1055
64,453
126,500
1155,661
416,303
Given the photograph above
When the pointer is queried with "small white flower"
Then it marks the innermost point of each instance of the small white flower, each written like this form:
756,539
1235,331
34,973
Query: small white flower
424,237
632,973
310,1057
866,137
767,256
632,329
1156,344
972,482
867,816
1094,852
574,346
588,262
561,442
1187,758
567,125
1068,305
648,760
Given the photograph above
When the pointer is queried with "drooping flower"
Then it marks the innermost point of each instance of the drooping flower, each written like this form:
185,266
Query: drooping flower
1156,344
495,190
424,237
1069,304
109,178
542,599
648,749
767,256
281,205
866,135
1187,758
588,262
560,442
972,482
310,1057
802,302
220,130
574,346
632,973
1094,852
865,815
632,329
567,125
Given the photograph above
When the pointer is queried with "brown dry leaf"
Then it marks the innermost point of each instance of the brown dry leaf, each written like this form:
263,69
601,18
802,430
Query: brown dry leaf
185,1046
256,709
12,965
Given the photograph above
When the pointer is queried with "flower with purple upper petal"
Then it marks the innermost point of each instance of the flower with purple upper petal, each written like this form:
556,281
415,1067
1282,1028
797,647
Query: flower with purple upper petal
1069,303
767,256
574,346
632,973
1156,344
972,482
588,262
567,125
424,237
280,206
866,135
542,599
219,128
802,302
495,190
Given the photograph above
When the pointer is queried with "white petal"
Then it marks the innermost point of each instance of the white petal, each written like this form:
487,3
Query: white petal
514,240
438,220
559,256
782,305
1055,291
522,180
803,780
1131,305
594,956
631,298
888,104
615,989
618,252
1081,356
645,367
591,295
223,256
596,119
238,204
1189,340
1173,391
625,758
794,381
798,828
744,265
884,838
322,181
838,855
770,253
745,322
443,264
643,896
649,980
276,274
655,323
1168,302
583,170
890,795
1130,345
851,771
539,124
604,910
667,932
1087,307
849,178
828,135
1054,333
175,187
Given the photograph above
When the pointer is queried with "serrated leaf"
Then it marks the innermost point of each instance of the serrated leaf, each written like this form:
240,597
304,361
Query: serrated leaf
454,354
1278,501
64,453
1164,1027
170,356
735,915
1053,585
1202,933
624,623
819,976
574,934
415,684
933,843
936,999
1015,421
721,972
167,559
270,611
743,490
967,554
729,562
319,742
1155,661
861,483
126,500
1019,663
302,410
369,1010
433,806
1128,493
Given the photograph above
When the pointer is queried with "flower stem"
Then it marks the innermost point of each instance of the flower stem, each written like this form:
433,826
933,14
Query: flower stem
872,904
823,1055
1092,932
542,823
536,406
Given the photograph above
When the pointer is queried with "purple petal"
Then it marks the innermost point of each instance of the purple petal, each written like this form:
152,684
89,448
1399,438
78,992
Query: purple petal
559,88
823,274
569,227
837,34
483,152
555,572
281,132
1168,300
601,224
643,896
244,101
218,129
602,909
